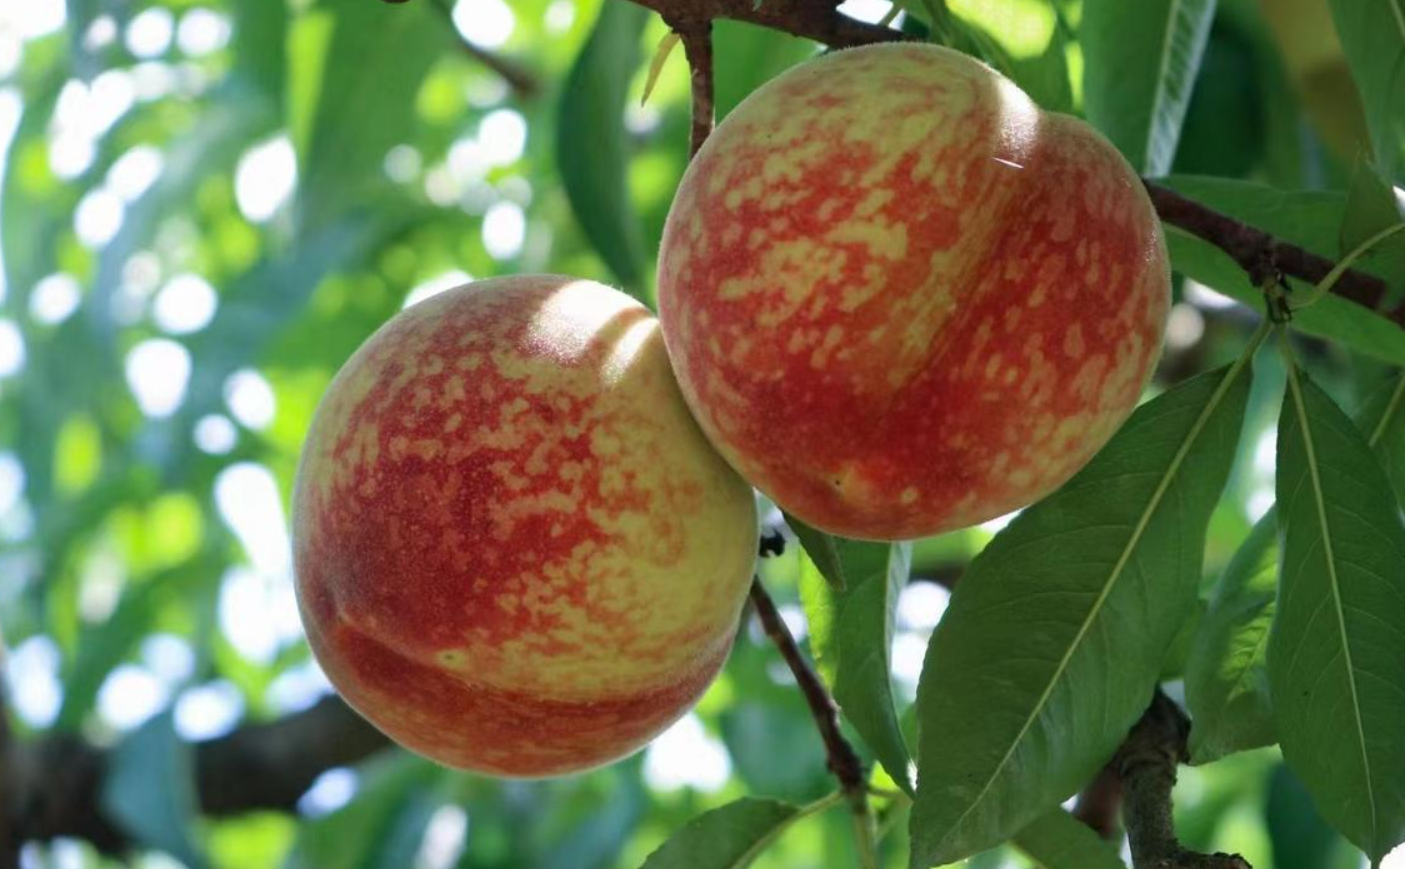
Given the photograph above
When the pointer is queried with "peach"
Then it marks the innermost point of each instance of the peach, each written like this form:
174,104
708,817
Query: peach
515,551
900,299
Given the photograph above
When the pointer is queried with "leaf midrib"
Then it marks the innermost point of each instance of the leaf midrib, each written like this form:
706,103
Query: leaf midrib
1320,503
1140,529
1158,98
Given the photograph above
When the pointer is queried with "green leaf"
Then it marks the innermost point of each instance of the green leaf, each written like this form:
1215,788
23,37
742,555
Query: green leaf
592,150
1373,37
1371,207
1056,633
823,551
372,69
851,635
729,837
1309,219
150,790
1060,841
753,55
1141,63
1297,833
1382,420
1336,647
383,827
1226,684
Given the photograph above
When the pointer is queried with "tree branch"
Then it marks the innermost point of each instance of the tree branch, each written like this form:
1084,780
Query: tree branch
1260,254
1146,763
55,784
697,45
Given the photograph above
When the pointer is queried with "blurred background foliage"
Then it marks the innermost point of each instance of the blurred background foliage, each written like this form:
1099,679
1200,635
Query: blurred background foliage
208,204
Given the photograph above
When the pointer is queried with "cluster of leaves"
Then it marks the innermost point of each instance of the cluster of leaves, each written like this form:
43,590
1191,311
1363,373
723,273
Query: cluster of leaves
1059,629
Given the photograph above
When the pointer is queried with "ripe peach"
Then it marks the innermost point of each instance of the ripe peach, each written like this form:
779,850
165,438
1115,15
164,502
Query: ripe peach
900,299
515,551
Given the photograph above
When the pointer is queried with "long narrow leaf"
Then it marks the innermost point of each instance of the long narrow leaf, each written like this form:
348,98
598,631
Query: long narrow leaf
1142,59
1058,630
851,635
1337,644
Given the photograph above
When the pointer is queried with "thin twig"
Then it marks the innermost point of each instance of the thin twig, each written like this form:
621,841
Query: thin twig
523,83
1147,764
697,44
842,760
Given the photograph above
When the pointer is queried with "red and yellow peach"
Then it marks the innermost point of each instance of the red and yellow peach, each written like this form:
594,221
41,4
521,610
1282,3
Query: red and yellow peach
900,299
515,551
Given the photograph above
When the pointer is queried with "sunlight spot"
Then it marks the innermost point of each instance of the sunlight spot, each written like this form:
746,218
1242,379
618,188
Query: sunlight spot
504,229
1202,296
32,671
436,285
1260,501
32,18
503,134
186,304
98,217
1184,327
11,52
871,11
996,525
444,839
208,711
248,500
101,33
70,155
795,621
250,399
403,164
467,160
909,649
685,755
153,80
297,688
1266,452
332,790
560,15
104,574
135,172
256,612
168,657
157,373
11,481
130,695
215,434
149,32
485,23
55,298
11,348
265,178
202,31
921,605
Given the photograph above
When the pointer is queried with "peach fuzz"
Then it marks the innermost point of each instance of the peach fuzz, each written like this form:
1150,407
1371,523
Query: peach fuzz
900,299
515,551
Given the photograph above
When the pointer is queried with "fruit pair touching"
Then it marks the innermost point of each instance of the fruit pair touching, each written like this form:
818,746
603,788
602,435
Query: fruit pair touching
894,296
